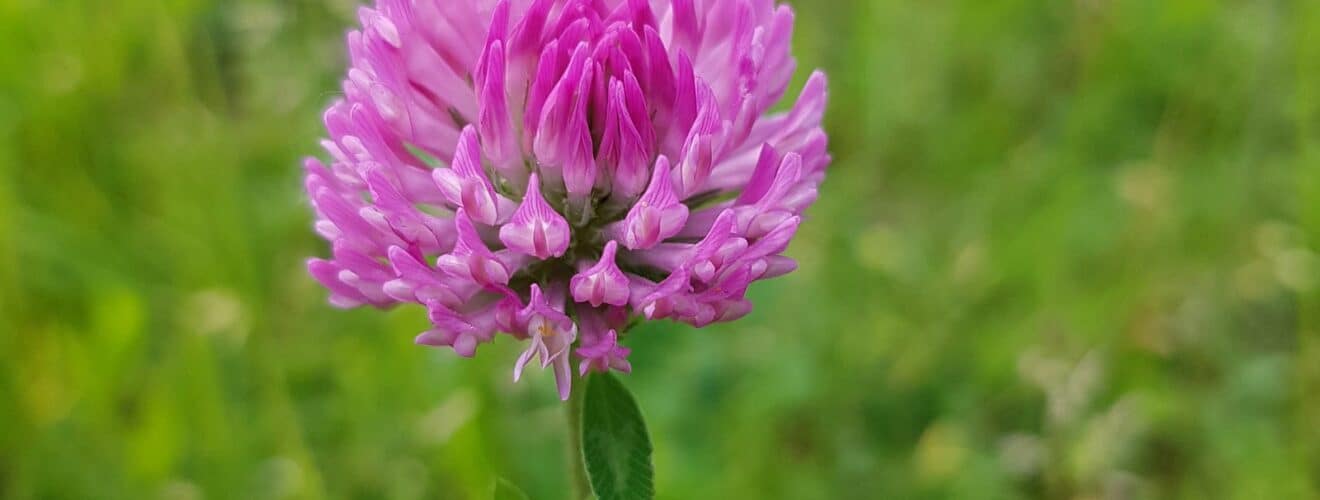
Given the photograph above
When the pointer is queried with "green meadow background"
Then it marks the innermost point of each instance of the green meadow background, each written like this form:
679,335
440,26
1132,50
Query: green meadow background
1068,250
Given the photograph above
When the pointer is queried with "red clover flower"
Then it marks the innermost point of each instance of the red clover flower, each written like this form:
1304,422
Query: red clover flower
606,159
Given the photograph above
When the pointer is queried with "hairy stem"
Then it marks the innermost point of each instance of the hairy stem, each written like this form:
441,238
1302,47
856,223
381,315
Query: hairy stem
573,419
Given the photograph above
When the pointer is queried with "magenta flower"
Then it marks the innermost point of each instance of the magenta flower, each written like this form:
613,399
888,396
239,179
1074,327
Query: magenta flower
606,159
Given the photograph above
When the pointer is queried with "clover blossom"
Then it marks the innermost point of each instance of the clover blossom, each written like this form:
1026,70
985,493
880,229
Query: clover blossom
553,169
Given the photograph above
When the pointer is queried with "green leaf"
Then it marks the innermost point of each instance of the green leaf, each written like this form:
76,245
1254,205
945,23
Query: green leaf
504,490
615,445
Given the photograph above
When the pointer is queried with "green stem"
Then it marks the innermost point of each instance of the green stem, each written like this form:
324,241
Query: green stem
576,464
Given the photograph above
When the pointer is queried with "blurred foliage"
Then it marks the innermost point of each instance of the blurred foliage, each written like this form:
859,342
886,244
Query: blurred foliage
1067,250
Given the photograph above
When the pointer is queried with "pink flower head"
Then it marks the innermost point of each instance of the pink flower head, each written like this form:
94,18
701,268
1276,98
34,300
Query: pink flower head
603,160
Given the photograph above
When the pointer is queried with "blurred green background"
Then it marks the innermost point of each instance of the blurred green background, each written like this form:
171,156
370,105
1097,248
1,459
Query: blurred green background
1067,250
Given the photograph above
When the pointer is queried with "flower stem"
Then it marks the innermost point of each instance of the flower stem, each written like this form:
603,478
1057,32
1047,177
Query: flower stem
581,486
